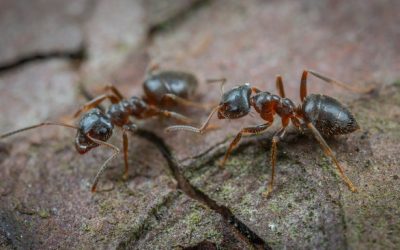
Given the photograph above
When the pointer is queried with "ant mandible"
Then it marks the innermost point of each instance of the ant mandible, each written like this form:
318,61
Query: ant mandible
320,113
95,127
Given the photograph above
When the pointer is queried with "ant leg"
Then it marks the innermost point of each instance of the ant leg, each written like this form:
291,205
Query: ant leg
340,84
131,128
104,166
247,131
303,85
169,114
297,123
194,129
328,152
279,86
95,102
184,101
114,90
125,143
255,90
274,151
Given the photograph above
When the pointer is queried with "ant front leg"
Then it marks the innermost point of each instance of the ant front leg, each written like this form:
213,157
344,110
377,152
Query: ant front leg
125,129
274,151
247,131
97,101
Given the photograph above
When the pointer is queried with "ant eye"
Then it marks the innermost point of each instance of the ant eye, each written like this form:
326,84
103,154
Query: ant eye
103,131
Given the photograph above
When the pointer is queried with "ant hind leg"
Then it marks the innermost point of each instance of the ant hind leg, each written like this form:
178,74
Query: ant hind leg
332,81
328,152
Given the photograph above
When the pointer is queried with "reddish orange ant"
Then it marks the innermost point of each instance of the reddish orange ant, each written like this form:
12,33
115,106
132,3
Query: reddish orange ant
320,113
95,127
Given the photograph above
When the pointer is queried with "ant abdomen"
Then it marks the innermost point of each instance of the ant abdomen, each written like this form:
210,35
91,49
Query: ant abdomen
157,85
328,115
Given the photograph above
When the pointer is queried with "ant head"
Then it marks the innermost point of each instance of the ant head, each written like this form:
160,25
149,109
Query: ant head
95,124
235,103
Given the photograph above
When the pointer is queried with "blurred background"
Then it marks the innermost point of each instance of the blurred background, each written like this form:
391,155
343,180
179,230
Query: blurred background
50,49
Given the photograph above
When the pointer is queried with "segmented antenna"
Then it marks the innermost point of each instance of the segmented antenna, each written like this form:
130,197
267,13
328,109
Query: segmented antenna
36,126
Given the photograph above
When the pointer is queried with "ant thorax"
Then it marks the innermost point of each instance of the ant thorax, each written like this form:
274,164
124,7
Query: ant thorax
267,104
119,112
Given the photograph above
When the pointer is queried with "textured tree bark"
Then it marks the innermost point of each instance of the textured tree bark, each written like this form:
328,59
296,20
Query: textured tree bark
176,196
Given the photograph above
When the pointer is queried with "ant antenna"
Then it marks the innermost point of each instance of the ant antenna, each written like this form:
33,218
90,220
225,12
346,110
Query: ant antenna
221,80
36,126
152,67
191,128
104,166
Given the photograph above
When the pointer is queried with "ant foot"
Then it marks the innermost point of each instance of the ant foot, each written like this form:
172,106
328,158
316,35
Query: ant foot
267,194
125,176
221,164
353,189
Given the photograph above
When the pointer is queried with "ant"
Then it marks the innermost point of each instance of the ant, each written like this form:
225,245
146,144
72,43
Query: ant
321,114
95,127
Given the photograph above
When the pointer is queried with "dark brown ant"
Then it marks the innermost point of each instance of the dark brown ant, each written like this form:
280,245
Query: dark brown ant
95,127
321,114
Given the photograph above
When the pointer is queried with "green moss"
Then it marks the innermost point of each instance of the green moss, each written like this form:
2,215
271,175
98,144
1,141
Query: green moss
85,227
275,207
44,214
194,218
214,235
227,191
106,207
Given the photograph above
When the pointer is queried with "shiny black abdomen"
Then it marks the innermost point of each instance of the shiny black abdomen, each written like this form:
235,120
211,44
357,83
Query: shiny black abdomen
328,115
178,83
